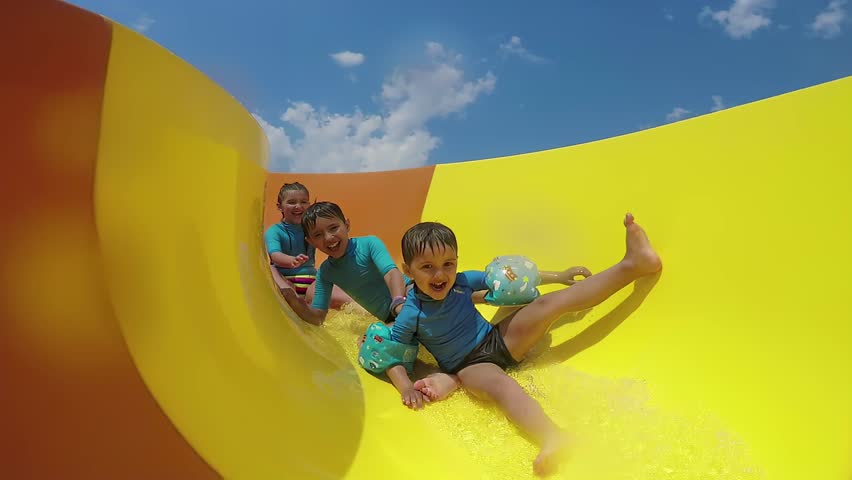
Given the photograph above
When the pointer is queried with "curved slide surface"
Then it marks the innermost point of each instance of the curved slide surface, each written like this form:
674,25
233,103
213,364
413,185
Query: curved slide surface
142,336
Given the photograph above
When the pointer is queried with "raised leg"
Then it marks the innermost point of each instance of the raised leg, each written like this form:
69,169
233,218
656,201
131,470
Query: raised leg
522,331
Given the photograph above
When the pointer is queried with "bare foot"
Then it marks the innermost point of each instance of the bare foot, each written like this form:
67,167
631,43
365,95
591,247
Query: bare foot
640,255
553,451
437,386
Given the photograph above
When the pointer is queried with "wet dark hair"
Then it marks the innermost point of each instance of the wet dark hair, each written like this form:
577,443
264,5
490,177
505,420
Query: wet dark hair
291,187
320,210
427,234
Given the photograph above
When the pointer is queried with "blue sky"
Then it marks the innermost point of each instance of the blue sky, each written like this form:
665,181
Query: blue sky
350,86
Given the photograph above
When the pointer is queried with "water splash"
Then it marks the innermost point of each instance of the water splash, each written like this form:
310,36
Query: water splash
616,432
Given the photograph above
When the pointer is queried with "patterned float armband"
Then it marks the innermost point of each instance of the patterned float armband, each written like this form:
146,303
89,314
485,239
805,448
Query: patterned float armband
512,280
379,353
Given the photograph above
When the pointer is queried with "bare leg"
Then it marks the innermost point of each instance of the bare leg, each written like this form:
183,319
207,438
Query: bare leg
503,313
526,328
489,382
437,386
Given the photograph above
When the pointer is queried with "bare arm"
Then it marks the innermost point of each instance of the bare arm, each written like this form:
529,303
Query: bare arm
396,286
286,261
479,296
306,312
280,281
410,397
565,277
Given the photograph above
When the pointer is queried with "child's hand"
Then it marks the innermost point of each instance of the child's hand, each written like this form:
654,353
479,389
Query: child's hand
574,272
413,399
300,260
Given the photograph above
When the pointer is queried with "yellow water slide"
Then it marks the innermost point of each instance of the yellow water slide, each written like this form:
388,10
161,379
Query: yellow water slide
142,335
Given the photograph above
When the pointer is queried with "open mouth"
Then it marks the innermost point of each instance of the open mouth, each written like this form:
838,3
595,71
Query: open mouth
438,287
332,247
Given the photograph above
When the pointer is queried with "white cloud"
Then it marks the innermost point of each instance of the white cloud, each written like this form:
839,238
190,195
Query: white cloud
397,137
743,17
828,23
143,23
717,103
438,53
347,59
514,47
677,114
279,142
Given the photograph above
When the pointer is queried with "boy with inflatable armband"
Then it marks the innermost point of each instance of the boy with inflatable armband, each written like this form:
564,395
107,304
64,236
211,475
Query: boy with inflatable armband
511,281
440,315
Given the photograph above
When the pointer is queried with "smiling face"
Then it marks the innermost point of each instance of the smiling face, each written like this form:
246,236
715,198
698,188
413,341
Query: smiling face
430,253
330,236
293,206
434,270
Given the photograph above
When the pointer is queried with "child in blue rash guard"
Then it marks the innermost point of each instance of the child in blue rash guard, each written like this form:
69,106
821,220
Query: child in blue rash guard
361,266
440,315
290,255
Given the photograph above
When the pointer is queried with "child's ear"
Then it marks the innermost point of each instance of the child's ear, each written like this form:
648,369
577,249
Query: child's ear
405,269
